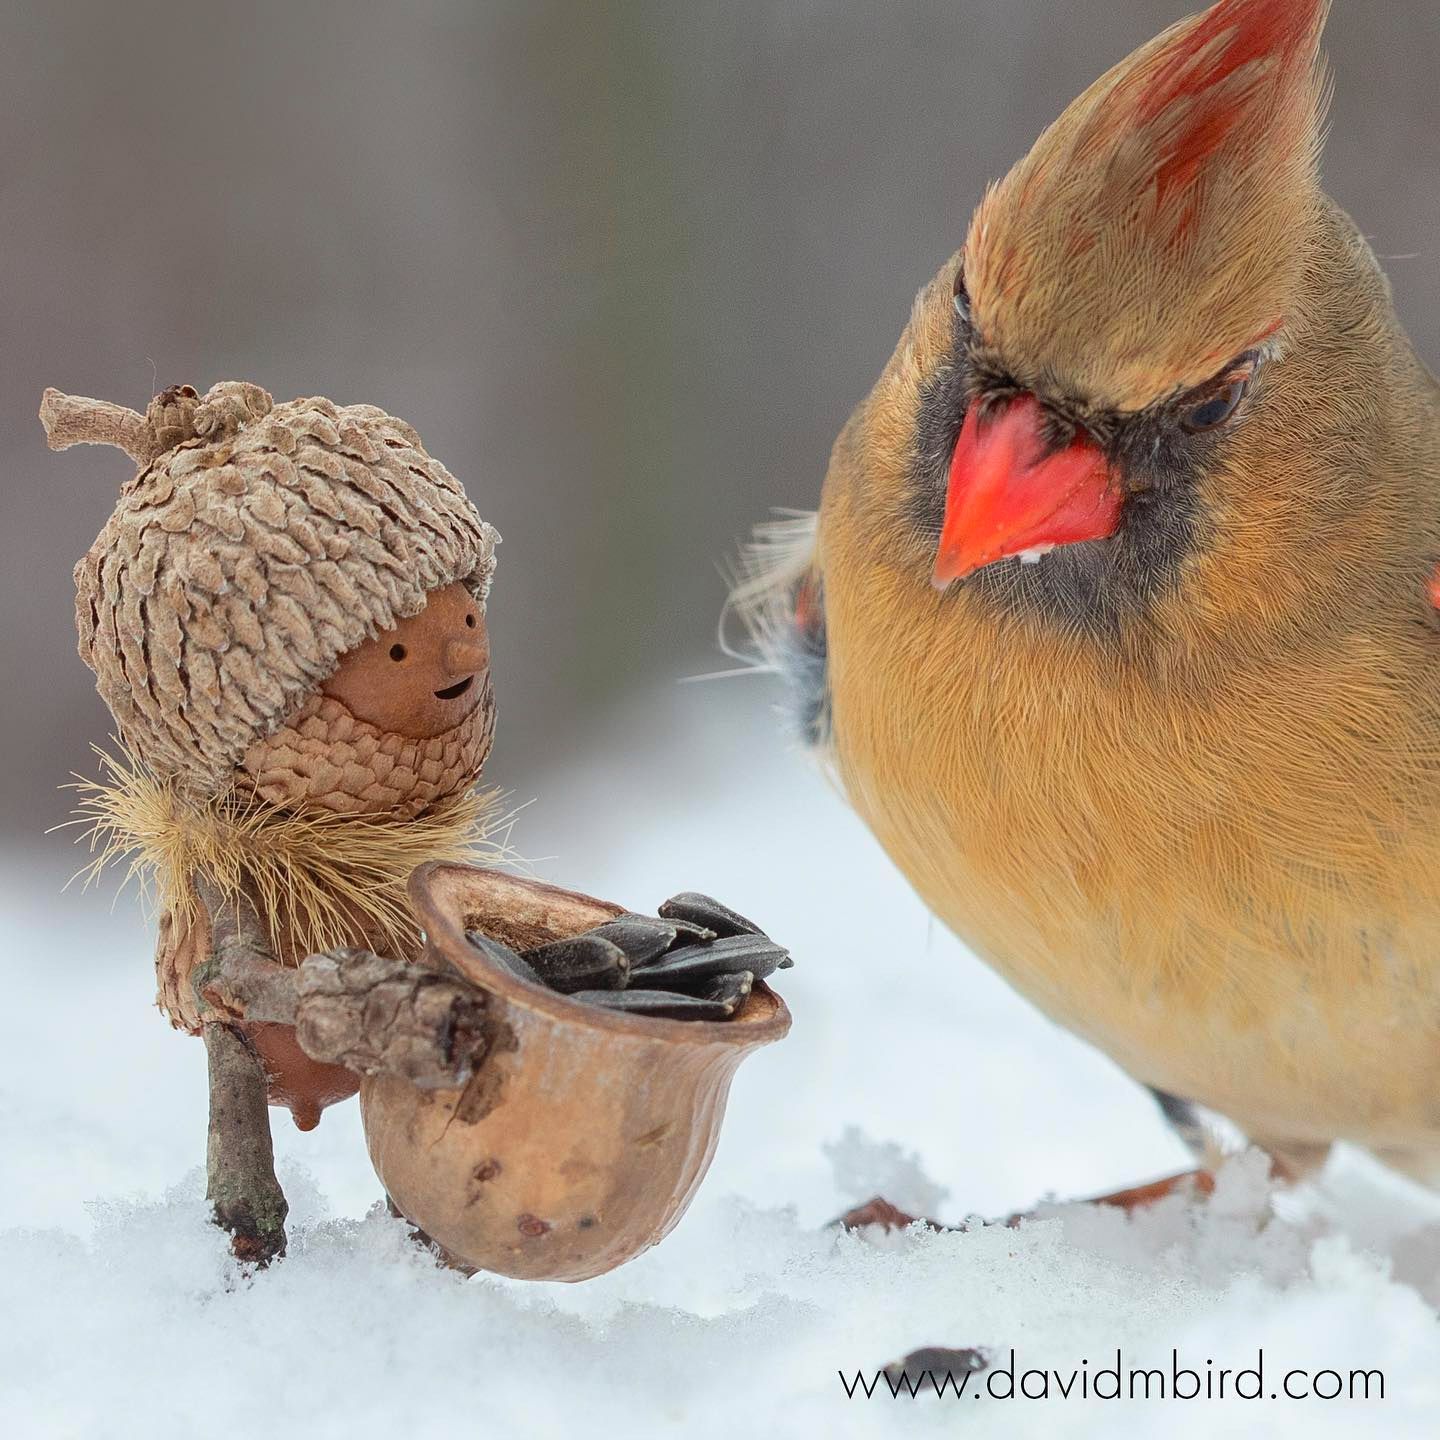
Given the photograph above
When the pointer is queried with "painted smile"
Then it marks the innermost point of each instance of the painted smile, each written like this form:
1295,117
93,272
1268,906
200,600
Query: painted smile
454,692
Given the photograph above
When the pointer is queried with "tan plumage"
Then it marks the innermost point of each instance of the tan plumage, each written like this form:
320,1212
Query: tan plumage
1197,822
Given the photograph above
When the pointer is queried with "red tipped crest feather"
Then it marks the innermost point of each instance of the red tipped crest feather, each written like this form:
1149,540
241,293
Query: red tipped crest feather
1153,225
1279,30
1262,35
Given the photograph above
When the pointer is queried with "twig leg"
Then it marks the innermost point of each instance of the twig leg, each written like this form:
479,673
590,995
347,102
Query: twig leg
240,1160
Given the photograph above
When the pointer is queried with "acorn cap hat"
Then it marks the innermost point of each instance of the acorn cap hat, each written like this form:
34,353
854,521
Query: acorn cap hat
257,544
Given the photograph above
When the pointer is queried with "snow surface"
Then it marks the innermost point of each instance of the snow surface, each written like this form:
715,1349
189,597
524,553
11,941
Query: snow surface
123,1316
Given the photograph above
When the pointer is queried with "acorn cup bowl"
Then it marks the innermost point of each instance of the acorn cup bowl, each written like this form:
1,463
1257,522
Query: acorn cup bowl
584,1132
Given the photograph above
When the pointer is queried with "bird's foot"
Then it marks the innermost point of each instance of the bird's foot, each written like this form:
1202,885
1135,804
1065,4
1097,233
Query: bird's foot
879,1211
1196,1183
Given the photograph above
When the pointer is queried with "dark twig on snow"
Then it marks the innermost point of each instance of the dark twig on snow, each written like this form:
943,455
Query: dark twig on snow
240,1162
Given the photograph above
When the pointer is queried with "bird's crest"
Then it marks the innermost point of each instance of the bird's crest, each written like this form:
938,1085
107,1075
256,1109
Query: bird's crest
1156,230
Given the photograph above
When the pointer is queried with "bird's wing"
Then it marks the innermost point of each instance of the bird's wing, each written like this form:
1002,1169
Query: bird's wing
779,599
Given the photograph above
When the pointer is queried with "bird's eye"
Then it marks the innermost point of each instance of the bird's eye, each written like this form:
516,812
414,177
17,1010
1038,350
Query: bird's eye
962,296
397,652
1217,404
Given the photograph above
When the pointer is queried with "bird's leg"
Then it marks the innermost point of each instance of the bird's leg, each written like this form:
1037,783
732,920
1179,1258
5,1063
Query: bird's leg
239,1156
1187,1122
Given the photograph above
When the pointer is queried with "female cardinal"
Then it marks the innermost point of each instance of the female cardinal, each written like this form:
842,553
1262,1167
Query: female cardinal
1118,617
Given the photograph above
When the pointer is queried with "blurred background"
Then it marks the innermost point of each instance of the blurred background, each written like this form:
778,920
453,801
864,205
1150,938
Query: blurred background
626,267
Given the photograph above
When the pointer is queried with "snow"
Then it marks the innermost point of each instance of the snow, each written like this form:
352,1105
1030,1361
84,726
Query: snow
911,1070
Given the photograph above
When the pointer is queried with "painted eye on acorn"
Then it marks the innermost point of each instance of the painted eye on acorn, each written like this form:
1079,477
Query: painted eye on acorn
961,296
470,621
398,652
1218,405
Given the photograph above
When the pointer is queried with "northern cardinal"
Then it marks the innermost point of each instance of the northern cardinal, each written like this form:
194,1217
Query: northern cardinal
1118,618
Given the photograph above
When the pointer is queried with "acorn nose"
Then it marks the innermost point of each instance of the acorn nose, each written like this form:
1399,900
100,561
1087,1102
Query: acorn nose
465,657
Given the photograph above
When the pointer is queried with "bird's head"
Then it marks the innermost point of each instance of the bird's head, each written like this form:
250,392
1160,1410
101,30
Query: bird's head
1139,261
1125,298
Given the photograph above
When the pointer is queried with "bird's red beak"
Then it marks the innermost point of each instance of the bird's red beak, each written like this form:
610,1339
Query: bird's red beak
1008,496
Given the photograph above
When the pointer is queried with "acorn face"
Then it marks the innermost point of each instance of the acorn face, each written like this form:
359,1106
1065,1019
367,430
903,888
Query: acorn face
405,721
584,1133
425,676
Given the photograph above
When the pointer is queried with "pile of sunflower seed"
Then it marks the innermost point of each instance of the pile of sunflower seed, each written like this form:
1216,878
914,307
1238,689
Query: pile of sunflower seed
697,961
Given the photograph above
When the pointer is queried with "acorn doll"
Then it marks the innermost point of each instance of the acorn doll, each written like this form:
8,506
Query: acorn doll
286,617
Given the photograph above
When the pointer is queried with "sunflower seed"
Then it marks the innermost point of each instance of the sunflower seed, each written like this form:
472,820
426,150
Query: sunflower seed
688,934
685,932
694,963
583,962
697,961
659,1003
643,938
709,914
731,990
503,956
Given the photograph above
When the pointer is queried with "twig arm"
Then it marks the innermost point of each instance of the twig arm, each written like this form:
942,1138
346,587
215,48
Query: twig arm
371,1014
348,1007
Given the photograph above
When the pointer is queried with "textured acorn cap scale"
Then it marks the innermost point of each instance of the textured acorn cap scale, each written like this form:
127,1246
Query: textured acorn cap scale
256,545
